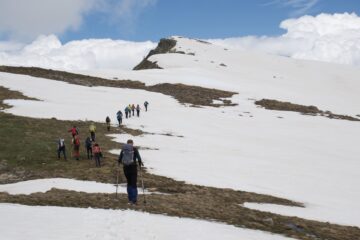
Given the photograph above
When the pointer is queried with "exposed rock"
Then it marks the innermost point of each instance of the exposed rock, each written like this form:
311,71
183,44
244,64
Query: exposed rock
165,45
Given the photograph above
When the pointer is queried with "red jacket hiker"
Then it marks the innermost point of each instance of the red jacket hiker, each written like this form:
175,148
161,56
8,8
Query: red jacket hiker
73,131
97,154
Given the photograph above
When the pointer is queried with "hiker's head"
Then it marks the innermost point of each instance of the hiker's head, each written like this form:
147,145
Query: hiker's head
131,142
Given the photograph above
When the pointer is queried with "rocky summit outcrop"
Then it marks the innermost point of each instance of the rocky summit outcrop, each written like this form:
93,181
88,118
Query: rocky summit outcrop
165,45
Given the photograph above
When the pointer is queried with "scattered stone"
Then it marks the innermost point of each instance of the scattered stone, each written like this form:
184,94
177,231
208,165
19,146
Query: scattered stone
269,221
223,65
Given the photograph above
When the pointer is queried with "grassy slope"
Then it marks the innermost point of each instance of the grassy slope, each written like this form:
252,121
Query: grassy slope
28,151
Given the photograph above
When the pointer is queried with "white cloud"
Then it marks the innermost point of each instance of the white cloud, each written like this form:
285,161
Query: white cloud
27,19
49,52
325,37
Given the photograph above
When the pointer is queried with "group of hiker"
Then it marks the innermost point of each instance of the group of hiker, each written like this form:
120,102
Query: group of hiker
129,110
129,156
93,149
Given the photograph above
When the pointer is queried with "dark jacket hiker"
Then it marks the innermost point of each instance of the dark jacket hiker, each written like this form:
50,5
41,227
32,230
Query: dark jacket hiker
61,148
128,156
88,146
107,120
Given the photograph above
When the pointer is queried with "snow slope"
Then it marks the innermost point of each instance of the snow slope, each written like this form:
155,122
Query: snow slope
57,223
328,86
308,159
44,185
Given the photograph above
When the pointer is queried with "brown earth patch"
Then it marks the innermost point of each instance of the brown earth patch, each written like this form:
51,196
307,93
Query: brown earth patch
185,94
307,110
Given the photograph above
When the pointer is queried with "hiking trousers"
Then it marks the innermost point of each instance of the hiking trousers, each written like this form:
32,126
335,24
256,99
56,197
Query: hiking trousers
61,149
97,160
131,178
92,136
89,152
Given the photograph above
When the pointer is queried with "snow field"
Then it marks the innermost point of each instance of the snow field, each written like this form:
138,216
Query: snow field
59,223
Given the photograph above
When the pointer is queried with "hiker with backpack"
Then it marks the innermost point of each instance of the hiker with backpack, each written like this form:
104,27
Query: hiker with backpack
88,146
138,110
146,105
133,109
61,148
126,111
97,154
107,120
92,130
76,145
74,131
128,156
119,116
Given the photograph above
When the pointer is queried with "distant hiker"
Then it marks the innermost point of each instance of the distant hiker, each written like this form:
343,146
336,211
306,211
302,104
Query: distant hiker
128,156
88,146
127,111
92,130
76,143
61,148
138,110
146,105
97,154
74,131
119,116
107,120
133,109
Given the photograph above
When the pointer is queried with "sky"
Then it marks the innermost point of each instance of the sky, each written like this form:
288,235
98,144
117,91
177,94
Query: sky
82,34
141,20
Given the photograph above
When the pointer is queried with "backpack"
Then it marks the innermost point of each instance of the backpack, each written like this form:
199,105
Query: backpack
128,154
96,149
77,141
61,142
107,119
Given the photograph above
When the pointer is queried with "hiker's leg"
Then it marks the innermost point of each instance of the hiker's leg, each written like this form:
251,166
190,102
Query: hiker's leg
64,152
58,152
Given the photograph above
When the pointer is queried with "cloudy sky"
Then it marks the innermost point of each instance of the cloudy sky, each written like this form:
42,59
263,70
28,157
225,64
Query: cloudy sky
47,32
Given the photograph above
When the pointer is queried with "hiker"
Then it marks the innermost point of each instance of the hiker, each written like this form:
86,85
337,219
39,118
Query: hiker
74,131
127,112
138,110
88,146
107,120
133,109
61,148
128,156
92,130
146,105
97,154
119,116
76,143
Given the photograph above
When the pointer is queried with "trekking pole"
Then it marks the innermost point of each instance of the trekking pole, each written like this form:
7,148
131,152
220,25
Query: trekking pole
117,181
142,184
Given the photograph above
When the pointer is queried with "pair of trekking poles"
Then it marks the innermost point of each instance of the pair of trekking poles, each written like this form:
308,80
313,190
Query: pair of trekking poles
117,183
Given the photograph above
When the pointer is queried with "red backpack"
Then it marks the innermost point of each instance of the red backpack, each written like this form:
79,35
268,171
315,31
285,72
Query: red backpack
77,141
96,149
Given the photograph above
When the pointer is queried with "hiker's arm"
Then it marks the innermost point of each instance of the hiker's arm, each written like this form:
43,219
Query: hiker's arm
120,157
137,156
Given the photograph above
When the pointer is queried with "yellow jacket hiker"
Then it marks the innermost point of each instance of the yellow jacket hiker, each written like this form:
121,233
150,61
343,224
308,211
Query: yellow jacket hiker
92,130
